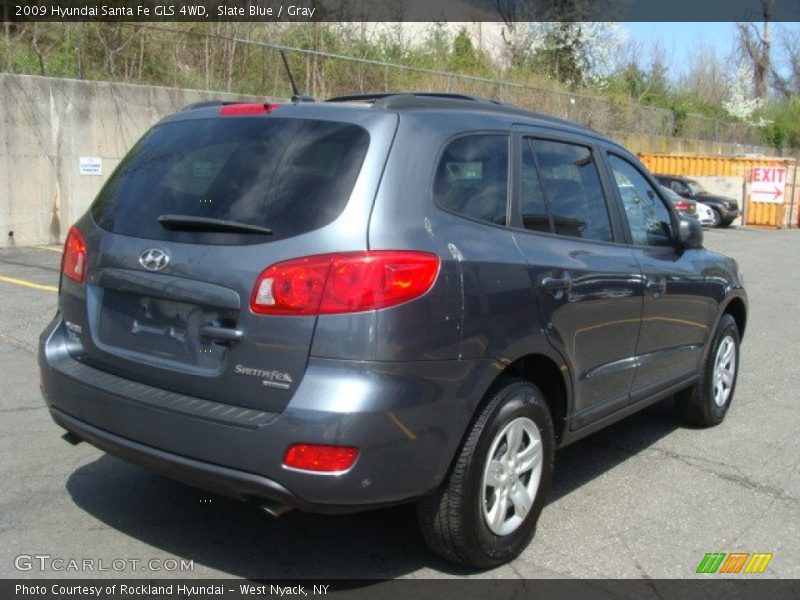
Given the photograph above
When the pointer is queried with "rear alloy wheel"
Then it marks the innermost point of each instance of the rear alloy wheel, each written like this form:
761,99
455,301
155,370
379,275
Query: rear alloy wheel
486,512
717,222
707,401
511,476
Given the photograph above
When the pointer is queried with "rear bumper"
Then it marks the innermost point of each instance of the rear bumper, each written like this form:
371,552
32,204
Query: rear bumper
200,474
407,420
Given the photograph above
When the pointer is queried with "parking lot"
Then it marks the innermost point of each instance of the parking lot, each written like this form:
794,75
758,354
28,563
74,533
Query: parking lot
644,498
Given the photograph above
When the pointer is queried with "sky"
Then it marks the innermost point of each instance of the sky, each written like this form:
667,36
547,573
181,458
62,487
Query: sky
680,40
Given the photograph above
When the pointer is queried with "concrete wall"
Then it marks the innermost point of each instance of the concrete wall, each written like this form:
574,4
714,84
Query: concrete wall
732,187
47,125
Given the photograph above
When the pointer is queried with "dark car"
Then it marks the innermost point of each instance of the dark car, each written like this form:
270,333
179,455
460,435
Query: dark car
725,209
334,306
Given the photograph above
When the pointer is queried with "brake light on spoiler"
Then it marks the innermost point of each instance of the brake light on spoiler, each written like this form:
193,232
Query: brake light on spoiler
247,109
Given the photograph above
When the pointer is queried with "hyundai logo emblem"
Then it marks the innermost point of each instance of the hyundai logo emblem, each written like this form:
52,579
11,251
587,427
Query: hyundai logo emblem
154,259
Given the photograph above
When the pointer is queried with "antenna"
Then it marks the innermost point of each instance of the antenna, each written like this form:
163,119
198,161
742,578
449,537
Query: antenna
296,96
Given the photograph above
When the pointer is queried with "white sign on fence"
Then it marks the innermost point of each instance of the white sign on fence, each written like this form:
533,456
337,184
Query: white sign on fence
90,165
767,184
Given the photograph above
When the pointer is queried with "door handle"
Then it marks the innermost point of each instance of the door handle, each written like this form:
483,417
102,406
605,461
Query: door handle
557,285
221,334
655,286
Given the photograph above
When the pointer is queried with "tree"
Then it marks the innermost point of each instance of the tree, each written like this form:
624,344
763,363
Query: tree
464,56
740,103
788,83
706,77
558,31
757,47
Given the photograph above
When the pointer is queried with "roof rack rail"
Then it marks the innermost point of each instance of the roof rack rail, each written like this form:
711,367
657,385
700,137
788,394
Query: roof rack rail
376,97
401,100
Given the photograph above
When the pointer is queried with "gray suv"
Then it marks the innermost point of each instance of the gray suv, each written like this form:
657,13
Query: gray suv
334,306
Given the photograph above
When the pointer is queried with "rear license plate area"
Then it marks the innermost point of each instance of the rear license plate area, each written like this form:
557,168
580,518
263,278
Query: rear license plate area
159,328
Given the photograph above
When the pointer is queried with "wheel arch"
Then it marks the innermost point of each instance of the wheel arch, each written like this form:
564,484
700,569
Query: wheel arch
737,308
536,361
552,378
532,359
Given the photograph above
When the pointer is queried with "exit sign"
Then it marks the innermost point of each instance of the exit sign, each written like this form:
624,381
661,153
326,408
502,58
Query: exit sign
767,184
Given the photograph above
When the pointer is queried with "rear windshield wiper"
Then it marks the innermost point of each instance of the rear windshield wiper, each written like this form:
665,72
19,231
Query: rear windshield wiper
189,223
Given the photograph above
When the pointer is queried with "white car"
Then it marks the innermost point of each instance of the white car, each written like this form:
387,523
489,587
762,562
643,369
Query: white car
705,215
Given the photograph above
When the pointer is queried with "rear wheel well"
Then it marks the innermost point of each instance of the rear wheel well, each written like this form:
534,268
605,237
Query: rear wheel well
737,310
545,374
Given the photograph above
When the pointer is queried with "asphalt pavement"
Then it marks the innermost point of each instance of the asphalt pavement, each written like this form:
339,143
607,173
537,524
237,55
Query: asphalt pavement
646,497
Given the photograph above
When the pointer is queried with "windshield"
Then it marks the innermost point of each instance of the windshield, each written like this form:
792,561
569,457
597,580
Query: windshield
695,187
286,175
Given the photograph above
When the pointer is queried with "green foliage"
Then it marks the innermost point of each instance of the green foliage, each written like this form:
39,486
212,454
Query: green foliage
782,128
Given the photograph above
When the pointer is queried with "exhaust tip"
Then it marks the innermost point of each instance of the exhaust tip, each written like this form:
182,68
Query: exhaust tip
274,509
71,438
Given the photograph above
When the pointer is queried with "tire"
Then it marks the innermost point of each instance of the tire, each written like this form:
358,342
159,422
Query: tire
455,521
706,403
727,223
717,218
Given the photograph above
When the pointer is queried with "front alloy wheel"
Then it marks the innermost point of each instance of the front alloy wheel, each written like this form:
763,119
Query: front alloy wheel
724,370
706,403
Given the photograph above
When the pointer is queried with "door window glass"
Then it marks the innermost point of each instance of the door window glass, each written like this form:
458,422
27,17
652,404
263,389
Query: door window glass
649,218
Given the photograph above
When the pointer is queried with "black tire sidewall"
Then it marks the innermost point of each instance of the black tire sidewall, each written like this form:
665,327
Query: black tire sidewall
521,400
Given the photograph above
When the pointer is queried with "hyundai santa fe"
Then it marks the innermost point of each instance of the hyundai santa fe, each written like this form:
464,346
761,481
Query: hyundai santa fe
334,306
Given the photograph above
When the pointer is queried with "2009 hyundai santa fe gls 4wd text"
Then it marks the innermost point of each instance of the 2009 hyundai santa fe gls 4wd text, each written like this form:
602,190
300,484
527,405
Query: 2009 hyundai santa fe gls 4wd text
334,306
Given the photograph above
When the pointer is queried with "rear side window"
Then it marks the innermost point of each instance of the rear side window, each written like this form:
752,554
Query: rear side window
532,203
289,175
472,178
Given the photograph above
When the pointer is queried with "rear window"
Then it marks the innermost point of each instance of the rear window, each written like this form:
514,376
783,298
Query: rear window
289,175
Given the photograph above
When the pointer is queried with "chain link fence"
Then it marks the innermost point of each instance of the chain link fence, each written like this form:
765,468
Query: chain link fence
322,75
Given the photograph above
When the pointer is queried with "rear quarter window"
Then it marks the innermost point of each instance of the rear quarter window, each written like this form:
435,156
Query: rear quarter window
472,178
289,175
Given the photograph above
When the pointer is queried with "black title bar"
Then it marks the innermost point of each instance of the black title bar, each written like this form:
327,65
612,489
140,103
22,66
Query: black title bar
399,589
396,10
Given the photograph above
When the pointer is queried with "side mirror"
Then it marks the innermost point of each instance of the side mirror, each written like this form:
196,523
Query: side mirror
690,233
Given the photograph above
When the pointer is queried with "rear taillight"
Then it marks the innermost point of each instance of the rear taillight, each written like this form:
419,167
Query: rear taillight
247,109
682,206
343,282
73,262
321,458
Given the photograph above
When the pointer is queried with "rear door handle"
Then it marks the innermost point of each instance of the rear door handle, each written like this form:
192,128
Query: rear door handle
557,285
221,334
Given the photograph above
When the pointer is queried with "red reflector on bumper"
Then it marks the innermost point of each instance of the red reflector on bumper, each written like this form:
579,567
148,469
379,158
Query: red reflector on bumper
320,458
